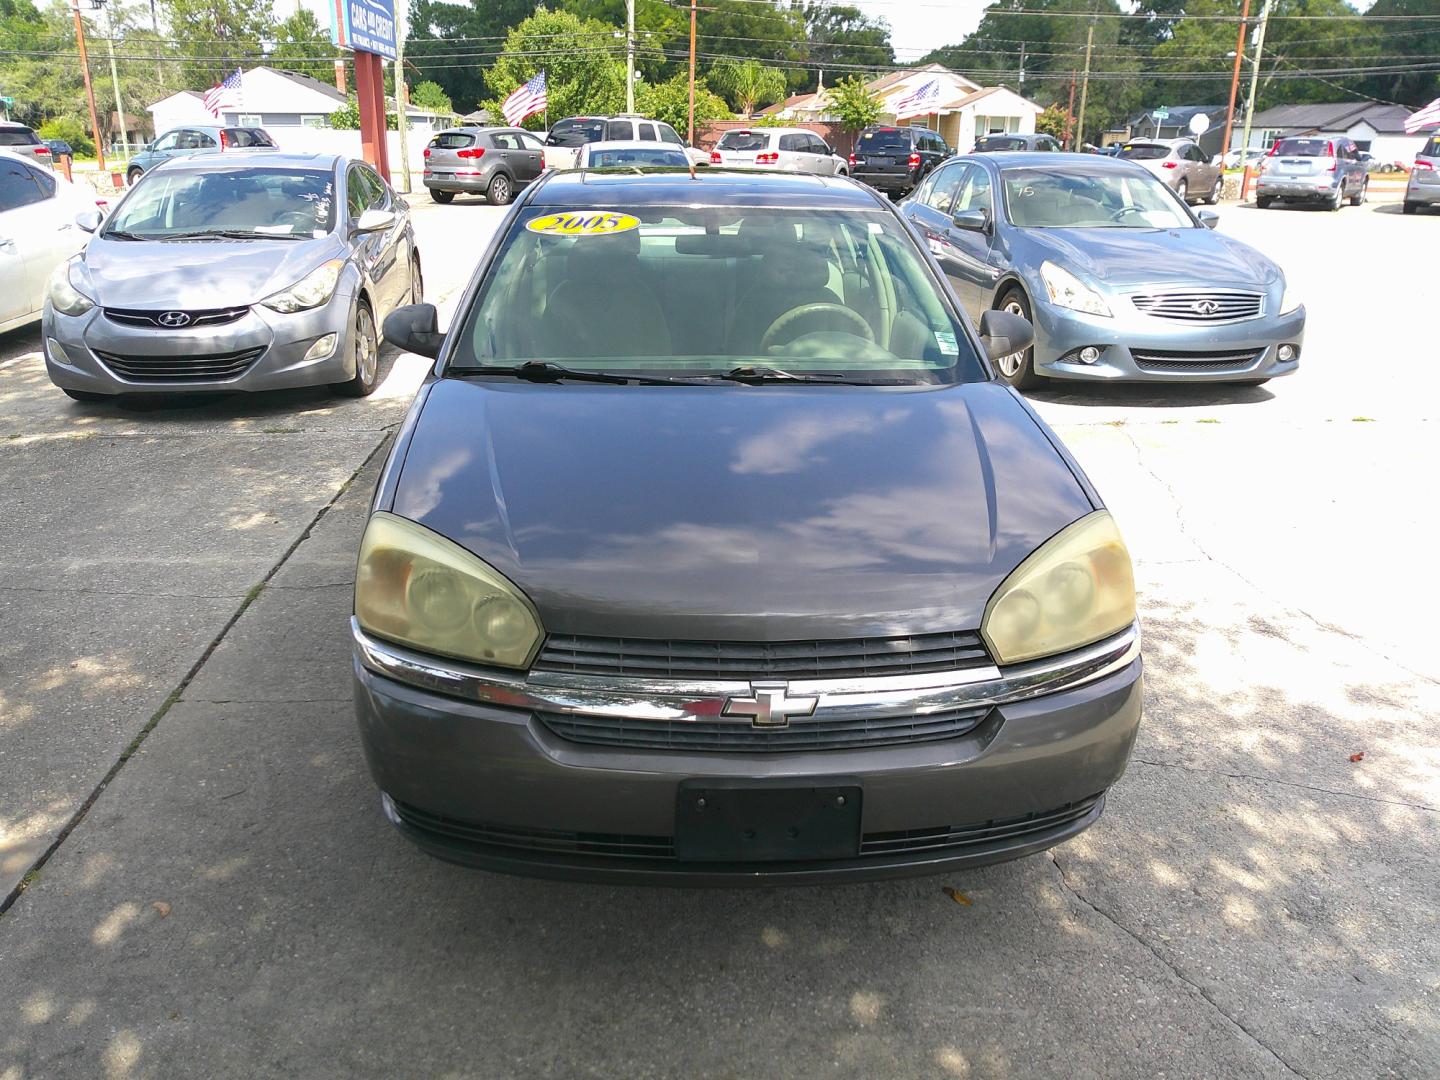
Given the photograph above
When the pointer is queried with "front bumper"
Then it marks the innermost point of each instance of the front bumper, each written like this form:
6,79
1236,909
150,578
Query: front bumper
1138,348
488,783
76,348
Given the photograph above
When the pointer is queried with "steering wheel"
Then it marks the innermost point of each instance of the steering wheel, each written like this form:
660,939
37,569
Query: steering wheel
796,314
1118,214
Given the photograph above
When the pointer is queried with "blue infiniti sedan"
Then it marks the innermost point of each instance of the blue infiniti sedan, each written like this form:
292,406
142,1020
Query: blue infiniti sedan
1120,278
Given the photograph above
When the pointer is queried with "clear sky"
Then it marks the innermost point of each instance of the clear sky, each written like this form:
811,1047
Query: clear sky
918,26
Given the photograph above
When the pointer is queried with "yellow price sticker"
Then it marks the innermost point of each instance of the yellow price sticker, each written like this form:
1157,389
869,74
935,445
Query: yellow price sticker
583,223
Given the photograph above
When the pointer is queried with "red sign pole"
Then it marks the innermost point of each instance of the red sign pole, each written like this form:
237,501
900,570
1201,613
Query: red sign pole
370,89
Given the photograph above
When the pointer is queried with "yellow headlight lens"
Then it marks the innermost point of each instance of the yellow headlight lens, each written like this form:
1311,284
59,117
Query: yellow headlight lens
1076,588
416,588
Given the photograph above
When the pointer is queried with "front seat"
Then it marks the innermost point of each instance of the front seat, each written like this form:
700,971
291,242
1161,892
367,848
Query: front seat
603,306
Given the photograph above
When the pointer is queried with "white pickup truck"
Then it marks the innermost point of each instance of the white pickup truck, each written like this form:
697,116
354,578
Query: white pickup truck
563,142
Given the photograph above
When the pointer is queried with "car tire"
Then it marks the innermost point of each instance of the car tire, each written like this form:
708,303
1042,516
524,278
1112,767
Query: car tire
1338,200
1023,375
417,281
1409,208
1262,202
133,176
500,191
1360,196
442,196
366,346
1215,192
1182,190
84,395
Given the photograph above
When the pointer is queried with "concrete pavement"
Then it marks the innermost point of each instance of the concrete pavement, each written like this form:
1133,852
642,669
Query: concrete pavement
1253,903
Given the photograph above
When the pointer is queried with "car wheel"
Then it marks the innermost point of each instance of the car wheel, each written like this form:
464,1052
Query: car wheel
1183,190
1262,202
499,191
84,395
1215,192
367,355
1337,200
442,196
1409,208
133,176
1018,369
1360,196
417,281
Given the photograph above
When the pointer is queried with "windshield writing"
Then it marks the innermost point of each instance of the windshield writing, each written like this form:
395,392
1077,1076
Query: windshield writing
1039,199
263,201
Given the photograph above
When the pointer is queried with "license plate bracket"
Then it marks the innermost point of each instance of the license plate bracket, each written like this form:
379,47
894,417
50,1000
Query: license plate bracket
765,821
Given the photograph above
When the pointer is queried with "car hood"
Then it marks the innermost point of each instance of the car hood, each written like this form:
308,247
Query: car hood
740,513
1125,257
199,273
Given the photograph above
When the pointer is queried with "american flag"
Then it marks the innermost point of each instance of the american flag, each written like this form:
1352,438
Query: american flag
220,95
1424,118
920,102
526,101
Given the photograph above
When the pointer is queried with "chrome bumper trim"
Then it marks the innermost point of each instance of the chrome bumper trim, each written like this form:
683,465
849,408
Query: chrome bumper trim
681,700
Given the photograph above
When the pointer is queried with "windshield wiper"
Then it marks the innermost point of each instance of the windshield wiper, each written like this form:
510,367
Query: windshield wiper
759,373
542,371
231,234
121,234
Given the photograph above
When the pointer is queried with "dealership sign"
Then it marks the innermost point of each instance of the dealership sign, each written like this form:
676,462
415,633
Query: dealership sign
364,25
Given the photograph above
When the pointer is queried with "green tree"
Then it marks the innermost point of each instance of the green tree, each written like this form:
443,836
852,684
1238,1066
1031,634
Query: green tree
347,117
748,84
842,34
453,43
217,36
72,130
428,95
582,72
670,101
300,45
1053,121
854,104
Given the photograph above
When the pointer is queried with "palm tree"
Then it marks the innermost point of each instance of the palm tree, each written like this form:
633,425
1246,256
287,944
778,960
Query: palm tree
748,84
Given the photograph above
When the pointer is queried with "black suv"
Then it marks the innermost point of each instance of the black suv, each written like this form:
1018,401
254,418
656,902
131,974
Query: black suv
895,159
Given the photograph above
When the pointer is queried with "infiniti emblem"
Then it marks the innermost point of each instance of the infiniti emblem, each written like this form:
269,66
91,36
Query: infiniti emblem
769,705
173,319
1205,307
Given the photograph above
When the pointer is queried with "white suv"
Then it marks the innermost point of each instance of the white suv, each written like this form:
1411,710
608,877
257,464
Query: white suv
563,141
781,149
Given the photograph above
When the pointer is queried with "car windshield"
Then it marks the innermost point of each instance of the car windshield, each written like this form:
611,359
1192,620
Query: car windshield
577,132
885,140
273,202
1143,152
13,137
1432,148
636,157
701,291
743,140
999,142
1090,199
1304,148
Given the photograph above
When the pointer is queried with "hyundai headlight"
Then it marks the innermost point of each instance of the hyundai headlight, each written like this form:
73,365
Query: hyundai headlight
1076,588
416,588
69,286
1067,291
1291,300
314,289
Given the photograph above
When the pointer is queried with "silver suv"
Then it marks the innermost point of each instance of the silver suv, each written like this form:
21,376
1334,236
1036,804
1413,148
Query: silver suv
795,150
1424,186
1313,169
494,162
1180,165
19,139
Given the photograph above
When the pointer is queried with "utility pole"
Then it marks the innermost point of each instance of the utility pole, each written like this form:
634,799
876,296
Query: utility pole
402,119
629,56
155,26
1022,63
1070,115
1085,86
115,77
691,139
1235,83
1255,74
89,89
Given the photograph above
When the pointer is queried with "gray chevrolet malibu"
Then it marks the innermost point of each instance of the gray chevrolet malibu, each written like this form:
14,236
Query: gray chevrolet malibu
234,273
713,551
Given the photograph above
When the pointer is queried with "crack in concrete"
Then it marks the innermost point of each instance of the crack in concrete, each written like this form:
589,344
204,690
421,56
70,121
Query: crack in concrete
1070,888
1286,783
121,592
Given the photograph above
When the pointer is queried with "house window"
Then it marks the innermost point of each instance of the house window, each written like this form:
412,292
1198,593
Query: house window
249,120
996,125
312,120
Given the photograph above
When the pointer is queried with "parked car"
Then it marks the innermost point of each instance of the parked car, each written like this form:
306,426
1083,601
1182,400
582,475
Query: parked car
195,139
1423,187
563,141
234,272
646,596
633,154
37,233
494,162
57,148
895,159
1121,280
1006,143
1238,159
1313,170
778,150
1180,165
19,139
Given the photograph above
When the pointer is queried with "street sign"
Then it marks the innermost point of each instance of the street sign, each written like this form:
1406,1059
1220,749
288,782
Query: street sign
1161,114
364,26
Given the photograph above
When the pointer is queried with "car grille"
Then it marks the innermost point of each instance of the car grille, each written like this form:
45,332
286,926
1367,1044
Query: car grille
1240,360
739,736
151,319
1200,305
951,839
653,658
214,367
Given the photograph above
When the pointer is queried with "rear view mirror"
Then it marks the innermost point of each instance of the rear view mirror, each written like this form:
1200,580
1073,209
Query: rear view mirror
415,328
89,220
975,220
373,220
1209,218
1000,332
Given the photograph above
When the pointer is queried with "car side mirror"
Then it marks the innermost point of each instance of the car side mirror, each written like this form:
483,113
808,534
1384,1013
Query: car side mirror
974,220
1001,332
1209,218
415,328
89,220
373,220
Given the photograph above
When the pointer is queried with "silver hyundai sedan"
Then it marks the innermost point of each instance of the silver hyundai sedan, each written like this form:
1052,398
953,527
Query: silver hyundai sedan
234,274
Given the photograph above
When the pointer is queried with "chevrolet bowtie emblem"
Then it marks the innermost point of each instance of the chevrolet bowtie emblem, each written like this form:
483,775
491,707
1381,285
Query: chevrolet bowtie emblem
769,705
